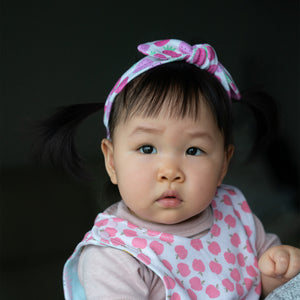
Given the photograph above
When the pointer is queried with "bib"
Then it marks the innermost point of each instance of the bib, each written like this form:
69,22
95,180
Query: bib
220,265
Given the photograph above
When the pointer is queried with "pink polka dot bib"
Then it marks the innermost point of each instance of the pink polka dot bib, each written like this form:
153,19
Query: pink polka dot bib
220,265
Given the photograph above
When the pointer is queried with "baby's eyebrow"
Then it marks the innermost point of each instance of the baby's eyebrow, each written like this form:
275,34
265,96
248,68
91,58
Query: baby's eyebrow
200,134
145,129
141,129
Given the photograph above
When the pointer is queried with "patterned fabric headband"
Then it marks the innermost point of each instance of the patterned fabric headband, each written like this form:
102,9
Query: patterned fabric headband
165,51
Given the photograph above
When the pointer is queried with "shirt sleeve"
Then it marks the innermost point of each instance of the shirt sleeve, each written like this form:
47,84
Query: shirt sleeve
264,240
108,273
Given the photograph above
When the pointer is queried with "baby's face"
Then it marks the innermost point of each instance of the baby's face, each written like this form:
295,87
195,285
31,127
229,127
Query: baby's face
167,169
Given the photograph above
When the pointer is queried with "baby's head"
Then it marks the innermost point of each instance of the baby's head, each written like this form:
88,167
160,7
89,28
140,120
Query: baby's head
170,141
168,122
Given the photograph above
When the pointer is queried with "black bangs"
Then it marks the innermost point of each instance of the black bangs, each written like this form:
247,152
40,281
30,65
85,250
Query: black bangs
178,87
170,87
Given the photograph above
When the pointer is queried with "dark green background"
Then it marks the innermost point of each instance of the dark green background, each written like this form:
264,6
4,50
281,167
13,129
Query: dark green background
62,53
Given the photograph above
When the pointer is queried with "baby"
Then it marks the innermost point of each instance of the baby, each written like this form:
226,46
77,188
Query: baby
178,232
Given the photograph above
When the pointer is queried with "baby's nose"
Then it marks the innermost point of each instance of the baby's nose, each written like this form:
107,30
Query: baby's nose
170,172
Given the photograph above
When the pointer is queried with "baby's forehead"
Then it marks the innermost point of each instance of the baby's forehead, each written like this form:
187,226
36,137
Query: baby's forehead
169,109
164,118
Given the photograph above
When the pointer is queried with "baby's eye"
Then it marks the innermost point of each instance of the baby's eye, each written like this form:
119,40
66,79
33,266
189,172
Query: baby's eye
195,151
147,149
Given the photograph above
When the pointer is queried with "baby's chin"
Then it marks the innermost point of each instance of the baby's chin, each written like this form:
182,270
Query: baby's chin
166,218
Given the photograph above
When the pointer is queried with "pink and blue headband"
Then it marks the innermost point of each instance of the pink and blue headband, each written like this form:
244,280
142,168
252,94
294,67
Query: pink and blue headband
166,51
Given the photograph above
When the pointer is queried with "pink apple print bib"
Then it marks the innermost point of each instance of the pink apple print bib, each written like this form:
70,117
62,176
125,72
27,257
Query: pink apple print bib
220,265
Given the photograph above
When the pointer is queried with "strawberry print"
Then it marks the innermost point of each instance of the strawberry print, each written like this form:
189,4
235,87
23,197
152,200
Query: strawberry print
171,53
212,68
185,48
200,57
159,55
108,104
144,48
161,43
212,291
211,53
144,64
121,86
181,252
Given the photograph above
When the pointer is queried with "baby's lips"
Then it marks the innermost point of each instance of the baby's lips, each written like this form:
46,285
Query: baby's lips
170,199
170,194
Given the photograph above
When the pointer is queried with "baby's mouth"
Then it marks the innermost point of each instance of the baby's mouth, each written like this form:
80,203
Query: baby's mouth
169,199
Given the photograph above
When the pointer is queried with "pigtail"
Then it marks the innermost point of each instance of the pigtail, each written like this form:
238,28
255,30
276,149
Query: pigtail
55,138
265,112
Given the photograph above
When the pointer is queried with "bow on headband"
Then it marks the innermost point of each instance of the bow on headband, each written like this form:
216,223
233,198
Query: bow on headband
165,51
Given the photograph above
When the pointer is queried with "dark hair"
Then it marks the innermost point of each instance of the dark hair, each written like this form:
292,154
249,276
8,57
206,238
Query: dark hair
180,86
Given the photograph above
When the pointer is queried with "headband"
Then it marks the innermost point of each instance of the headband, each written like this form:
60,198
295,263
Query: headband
166,51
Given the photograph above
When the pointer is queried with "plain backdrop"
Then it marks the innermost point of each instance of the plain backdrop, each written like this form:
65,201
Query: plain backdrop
61,53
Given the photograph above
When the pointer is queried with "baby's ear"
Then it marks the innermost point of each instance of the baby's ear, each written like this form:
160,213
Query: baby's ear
108,153
227,157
